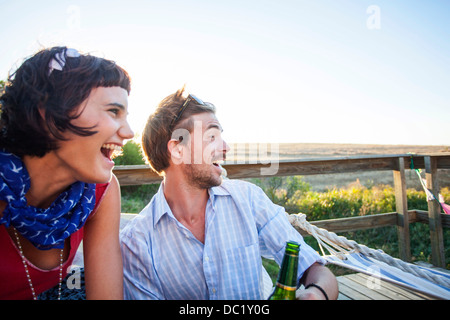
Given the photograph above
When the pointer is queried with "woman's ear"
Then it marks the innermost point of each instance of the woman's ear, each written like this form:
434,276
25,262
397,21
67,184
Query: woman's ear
42,112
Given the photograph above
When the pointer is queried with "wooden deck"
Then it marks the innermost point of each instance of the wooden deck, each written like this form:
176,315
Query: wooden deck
359,286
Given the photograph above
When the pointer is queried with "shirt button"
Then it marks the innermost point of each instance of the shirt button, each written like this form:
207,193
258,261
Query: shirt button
214,290
206,258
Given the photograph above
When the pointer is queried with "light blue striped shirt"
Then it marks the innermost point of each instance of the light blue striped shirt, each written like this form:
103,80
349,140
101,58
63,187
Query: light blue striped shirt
163,260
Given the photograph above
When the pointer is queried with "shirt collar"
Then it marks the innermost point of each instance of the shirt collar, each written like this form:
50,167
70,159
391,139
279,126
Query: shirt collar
161,205
218,191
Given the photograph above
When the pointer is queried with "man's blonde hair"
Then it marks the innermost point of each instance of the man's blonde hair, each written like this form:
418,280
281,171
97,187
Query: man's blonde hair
159,127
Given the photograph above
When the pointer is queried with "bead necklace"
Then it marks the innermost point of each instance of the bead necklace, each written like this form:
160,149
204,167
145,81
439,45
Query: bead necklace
61,259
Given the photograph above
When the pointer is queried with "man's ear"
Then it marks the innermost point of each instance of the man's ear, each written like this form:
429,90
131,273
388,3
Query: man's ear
178,144
175,150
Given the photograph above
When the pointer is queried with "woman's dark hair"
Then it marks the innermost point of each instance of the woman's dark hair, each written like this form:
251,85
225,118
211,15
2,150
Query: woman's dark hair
39,102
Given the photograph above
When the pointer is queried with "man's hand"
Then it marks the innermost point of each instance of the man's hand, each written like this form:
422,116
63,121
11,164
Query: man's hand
309,294
322,277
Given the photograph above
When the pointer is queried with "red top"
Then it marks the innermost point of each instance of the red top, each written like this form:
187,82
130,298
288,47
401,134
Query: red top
13,280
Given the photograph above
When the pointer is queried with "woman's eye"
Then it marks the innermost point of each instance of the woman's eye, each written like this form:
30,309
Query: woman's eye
115,111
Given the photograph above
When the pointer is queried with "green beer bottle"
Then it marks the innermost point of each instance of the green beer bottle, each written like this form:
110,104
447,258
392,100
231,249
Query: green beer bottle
287,277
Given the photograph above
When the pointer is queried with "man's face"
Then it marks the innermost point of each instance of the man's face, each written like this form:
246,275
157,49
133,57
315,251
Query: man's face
206,149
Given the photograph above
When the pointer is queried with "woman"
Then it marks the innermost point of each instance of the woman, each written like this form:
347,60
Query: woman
63,115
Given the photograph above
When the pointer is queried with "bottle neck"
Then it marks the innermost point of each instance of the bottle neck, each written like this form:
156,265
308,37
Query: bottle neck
287,276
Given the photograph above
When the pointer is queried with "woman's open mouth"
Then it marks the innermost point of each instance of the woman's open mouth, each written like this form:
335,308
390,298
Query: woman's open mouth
110,150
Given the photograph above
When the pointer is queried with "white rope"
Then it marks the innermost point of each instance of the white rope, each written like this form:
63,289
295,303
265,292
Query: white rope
342,246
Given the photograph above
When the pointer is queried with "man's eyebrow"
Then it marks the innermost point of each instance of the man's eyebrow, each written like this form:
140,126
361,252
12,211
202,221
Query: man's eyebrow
214,126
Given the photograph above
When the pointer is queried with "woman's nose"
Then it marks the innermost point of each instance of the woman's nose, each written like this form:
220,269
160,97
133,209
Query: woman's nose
125,131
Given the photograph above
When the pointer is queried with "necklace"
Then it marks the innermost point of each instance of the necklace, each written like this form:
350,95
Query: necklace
61,258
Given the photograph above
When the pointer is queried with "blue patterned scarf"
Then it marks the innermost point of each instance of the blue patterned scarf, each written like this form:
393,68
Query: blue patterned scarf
44,228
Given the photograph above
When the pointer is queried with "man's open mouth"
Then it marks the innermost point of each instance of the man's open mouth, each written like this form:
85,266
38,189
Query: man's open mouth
217,163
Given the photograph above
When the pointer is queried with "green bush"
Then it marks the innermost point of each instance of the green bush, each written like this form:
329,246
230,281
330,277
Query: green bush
131,154
356,200
134,198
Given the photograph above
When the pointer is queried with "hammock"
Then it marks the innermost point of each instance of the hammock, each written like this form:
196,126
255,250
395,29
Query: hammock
377,264
430,195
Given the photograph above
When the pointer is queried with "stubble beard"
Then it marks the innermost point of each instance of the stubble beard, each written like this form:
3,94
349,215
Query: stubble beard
202,179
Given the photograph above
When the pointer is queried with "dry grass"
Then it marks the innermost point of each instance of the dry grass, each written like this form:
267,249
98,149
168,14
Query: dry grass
246,152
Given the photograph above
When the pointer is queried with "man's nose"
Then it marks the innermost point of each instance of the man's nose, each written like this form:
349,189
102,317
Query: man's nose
225,146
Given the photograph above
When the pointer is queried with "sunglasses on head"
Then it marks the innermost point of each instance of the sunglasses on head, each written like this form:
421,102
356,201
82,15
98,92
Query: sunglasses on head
184,106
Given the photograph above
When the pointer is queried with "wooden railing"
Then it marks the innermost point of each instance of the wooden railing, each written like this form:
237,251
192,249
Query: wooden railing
141,174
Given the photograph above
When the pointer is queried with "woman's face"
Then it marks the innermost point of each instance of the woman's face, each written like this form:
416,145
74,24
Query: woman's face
89,158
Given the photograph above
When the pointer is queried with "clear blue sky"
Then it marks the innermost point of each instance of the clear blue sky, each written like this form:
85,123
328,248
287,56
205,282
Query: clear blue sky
329,71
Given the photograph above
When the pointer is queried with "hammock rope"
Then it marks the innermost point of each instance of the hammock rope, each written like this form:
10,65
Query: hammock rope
430,196
339,246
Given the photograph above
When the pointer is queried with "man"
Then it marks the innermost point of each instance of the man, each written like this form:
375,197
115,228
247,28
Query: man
201,237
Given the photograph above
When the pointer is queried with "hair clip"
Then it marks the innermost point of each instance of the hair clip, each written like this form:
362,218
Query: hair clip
59,60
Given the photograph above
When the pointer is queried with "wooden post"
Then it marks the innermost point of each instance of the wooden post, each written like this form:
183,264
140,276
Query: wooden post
434,214
401,207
